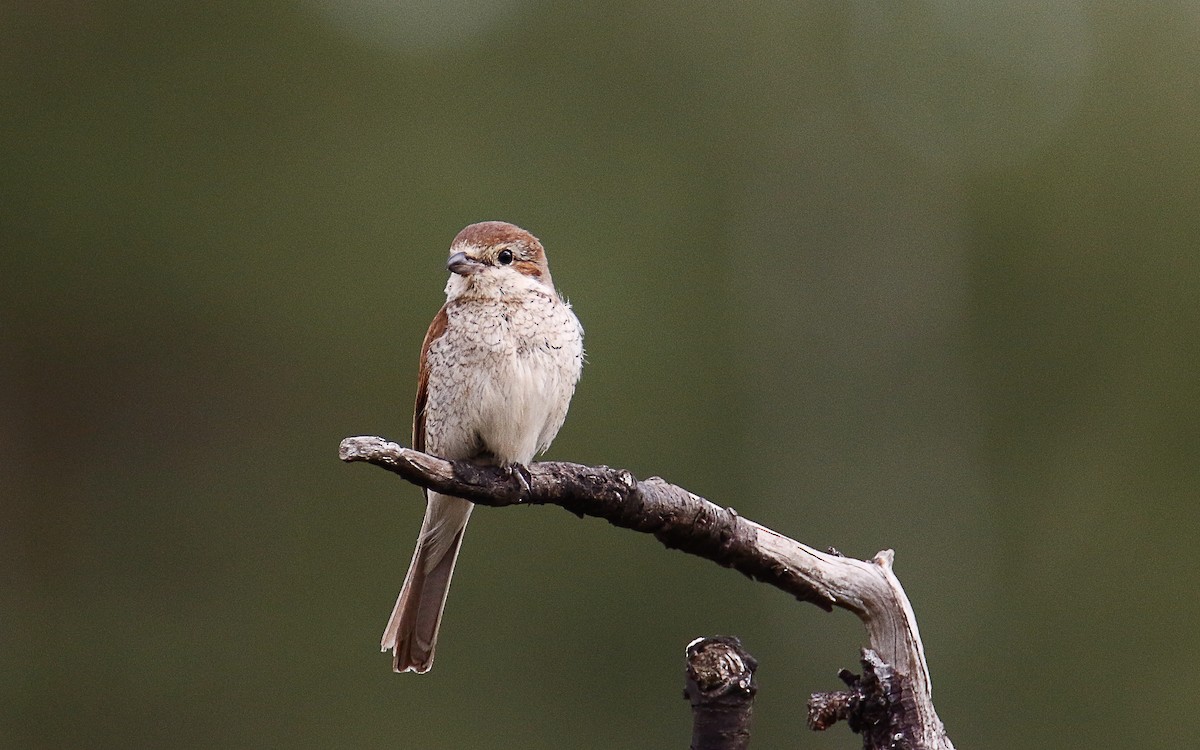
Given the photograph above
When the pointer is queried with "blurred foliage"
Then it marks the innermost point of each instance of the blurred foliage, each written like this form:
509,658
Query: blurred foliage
916,275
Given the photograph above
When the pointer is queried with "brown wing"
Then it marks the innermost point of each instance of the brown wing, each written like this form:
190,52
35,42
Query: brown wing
436,329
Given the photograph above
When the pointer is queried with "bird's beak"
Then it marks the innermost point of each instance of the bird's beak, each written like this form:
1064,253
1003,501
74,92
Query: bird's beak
462,265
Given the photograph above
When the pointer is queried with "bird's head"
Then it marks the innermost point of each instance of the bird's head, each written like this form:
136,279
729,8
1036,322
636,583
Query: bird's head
496,255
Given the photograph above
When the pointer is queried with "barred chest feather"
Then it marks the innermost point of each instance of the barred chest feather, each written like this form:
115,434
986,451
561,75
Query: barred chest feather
501,376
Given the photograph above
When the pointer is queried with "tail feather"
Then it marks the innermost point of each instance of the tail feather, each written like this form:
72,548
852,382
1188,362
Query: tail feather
412,630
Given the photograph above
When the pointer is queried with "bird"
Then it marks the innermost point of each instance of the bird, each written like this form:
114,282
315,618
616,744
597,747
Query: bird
498,368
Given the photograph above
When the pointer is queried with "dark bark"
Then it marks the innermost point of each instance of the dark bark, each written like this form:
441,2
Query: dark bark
874,705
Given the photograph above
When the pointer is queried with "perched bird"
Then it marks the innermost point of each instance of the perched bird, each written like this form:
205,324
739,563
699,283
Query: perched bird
498,368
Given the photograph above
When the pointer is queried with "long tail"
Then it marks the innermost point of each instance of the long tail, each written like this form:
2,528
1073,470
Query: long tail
412,631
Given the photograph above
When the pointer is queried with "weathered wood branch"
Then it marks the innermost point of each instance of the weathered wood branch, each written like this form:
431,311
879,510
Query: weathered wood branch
682,520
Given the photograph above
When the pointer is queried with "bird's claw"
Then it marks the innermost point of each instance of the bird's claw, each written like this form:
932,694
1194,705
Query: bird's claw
521,474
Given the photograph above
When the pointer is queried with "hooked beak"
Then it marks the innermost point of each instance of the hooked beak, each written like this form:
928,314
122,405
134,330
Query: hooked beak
460,264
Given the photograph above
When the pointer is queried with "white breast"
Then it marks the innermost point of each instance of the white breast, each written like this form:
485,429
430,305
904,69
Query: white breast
502,376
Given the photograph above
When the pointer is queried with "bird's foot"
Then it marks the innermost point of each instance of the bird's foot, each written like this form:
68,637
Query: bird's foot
521,473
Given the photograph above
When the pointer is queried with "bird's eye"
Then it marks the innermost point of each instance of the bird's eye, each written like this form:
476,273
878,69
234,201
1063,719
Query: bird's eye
505,257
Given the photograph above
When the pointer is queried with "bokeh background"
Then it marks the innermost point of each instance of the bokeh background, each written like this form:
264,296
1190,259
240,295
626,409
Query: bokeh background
919,275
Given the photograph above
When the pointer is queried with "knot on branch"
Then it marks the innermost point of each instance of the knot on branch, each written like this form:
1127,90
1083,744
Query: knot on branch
721,687
873,706
719,666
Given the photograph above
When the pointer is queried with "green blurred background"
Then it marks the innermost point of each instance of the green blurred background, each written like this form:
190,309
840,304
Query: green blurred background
920,275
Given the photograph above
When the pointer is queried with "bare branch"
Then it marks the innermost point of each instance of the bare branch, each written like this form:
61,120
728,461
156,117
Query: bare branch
682,520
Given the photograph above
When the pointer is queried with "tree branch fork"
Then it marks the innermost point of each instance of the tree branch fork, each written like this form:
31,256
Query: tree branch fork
682,520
